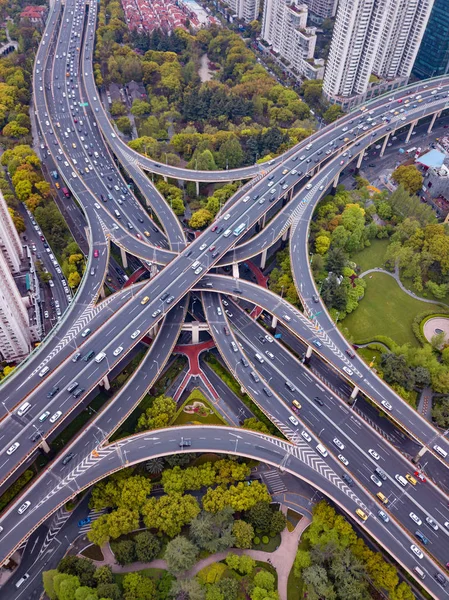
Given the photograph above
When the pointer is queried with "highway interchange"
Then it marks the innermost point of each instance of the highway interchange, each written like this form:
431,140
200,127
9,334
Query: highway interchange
121,321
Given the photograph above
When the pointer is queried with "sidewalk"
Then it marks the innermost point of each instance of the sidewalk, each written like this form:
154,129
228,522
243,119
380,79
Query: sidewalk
281,559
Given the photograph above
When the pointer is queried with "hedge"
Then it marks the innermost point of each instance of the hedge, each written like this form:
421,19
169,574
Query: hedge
16,488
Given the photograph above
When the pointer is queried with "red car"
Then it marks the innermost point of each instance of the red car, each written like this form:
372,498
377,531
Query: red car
76,120
96,254
420,476
214,228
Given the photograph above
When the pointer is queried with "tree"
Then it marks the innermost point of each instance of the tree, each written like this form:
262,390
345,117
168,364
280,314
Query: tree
124,551
180,555
409,177
229,588
124,125
239,497
147,546
256,425
260,516
159,415
109,590
170,513
65,586
74,280
83,568
103,574
265,580
302,561
188,588
138,587
200,219
278,522
322,243
85,593
243,533
333,113
213,531
117,109
47,579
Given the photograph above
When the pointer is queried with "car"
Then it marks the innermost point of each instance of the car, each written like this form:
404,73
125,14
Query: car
203,246
267,391
376,480
135,334
347,370
318,400
420,476
85,521
387,405
67,458
343,459
338,443
383,515
374,454
85,333
261,339
306,436
432,523
350,353
12,448
421,537
227,216
347,479
23,507
211,248
118,351
46,314
416,551
54,417
185,442
269,338
411,479
441,579
317,343
76,357
415,518
214,228
293,420
156,313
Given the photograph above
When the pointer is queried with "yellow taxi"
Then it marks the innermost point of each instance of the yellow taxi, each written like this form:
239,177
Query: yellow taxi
359,512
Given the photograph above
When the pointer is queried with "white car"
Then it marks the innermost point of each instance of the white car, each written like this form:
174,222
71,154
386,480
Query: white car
416,551
269,338
306,436
294,421
97,206
203,246
23,507
55,416
432,523
386,405
227,216
118,351
338,443
12,448
343,459
415,518
347,370
376,480
374,454
135,334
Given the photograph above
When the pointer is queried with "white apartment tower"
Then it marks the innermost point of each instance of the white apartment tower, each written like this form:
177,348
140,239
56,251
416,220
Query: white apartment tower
322,8
284,28
246,10
15,335
373,37
10,244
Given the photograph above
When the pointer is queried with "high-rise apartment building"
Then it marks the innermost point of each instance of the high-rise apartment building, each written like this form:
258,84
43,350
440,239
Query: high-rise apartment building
284,29
433,55
322,8
246,10
10,244
377,38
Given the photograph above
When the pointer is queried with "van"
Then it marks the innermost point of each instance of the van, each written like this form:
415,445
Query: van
419,572
322,450
88,356
437,448
117,214
195,265
44,371
401,480
259,357
23,409
359,512
227,233
382,498
100,357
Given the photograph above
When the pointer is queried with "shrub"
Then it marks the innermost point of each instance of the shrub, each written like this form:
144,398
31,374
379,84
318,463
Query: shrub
256,541
265,539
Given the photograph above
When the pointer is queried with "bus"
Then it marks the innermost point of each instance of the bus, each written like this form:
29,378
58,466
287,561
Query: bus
66,192
238,230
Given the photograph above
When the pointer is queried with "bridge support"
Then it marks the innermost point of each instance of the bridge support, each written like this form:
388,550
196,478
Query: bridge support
165,178
432,122
384,145
235,270
420,454
410,131
87,234
195,333
274,322
44,446
263,258
124,257
197,183
308,355
335,182
102,293
360,159
285,234
153,331
354,393
262,221
105,382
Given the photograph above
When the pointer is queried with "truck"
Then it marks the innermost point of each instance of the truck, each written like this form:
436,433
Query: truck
66,192
54,174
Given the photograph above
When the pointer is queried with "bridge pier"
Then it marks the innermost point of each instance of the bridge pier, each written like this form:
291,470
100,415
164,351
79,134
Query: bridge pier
102,293
432,122
195,333
360,159
308,355
420,454
44,446
87,234
262,221
197,183
384,145
335,182
263,258
354,393
410,131
124,257
153,331
274,322
165,178
235,270
285,234
105,382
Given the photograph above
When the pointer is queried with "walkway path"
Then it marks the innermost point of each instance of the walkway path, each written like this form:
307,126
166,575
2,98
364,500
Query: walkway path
281,559
395,275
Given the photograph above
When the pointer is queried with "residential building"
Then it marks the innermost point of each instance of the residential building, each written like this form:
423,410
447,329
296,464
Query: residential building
35,14
374,45
285,31
10,244
433,55
15,333
325,9
246,10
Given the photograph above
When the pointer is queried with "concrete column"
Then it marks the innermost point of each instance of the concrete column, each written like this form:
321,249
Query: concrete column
235,270
420,454
87,234
197,183
153,331
262,221
285,235
432,122
195,333
242,389
308,355
105,382
360,159
102,293
263,258
384,145
335,182
274,322
354,393
291,192
124,257
44,446
165,177
410,131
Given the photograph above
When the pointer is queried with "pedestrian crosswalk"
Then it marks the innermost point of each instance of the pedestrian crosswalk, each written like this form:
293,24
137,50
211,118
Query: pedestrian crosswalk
93,515
274,482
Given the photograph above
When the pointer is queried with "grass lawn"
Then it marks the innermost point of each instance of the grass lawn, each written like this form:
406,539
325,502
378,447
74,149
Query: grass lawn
295,584
207,416
273,543
93,552
368,355
371,257
293,518
154,574
385,310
